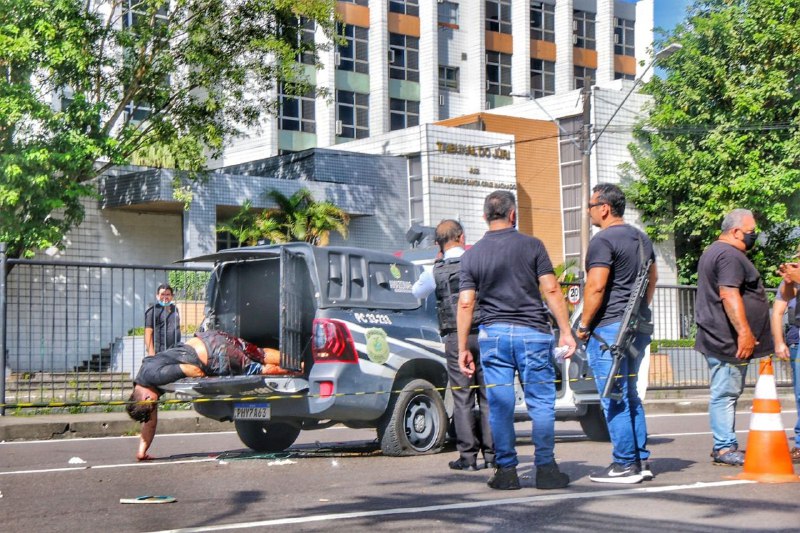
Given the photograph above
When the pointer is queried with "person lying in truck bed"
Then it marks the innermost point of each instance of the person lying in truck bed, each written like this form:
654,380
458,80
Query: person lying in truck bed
210,353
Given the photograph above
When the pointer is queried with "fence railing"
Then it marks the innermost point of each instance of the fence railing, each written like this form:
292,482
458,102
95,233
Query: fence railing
73,332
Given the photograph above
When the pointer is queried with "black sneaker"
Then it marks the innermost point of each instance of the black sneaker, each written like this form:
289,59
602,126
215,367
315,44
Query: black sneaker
550,477
504,478
617,473
463,464
647,473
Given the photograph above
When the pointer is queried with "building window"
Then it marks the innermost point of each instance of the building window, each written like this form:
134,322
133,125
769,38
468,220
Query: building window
403,113
415,205
364,3
134,13
582,74
305,40
498,73
498,16
448,78
296,113
403,57
571,201
353,54
135,17
583,29
543,77
543,22
225,240
624,37
623,76
405,7
352,115
448,13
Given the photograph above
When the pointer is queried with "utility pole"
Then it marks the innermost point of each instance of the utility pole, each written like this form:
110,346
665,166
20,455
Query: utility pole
586,152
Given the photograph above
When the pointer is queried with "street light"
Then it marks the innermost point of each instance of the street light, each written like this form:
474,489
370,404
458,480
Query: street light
588,143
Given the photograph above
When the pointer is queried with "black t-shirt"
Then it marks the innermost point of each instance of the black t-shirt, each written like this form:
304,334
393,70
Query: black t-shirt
504,268
166,324
617,248
723,265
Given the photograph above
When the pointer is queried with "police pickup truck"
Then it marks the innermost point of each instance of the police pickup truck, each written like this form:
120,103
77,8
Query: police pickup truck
358,348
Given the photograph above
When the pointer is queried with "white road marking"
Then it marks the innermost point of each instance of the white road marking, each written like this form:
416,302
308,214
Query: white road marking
455,506
98,467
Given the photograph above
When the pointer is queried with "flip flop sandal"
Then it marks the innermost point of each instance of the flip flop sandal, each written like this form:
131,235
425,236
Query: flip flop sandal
148,499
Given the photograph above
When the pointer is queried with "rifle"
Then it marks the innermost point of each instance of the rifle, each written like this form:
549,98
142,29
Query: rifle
631,325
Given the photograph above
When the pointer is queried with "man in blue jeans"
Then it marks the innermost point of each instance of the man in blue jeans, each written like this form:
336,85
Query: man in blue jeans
786,346
733,326
613,261
508,273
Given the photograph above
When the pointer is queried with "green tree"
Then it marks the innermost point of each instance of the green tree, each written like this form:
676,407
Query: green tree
91,84
297,218
723,131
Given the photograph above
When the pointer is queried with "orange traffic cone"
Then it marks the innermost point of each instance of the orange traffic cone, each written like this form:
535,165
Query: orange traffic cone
767,458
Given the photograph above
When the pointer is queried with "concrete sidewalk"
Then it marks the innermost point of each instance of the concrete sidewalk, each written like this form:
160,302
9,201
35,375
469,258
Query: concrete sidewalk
70,426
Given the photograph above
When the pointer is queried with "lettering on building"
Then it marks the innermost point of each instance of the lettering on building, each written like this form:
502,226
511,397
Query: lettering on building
475,151
473,182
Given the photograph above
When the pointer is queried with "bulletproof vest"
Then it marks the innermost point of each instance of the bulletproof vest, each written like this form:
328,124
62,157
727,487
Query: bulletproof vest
446,275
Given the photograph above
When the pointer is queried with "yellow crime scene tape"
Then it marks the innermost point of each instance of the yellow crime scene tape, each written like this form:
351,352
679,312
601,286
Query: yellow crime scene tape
271,398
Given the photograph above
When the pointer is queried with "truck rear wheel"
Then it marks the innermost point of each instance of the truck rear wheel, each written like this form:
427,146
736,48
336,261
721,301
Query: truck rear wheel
415,422
593,423
266,436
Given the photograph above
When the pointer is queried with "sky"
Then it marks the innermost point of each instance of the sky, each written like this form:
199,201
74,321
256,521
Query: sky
668,13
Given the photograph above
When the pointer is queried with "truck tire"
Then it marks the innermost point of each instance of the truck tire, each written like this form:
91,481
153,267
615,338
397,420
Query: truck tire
415,423
266,436
593,423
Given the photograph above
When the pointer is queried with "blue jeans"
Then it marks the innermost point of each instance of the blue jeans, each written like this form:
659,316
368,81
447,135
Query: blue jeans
727,384
505,350
625,417
794,358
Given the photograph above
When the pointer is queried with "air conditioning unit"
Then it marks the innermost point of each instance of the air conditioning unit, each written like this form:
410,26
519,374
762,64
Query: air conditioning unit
338,127
616,38
391,55
441,99
574,39
440,1
337,58
574,25
616,21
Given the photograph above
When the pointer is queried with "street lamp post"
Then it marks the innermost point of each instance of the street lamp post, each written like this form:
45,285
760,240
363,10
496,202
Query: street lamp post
588,143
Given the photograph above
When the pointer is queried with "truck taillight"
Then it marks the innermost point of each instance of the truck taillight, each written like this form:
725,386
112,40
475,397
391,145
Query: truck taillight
332,342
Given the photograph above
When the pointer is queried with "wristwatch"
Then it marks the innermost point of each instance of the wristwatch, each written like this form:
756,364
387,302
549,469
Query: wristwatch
582,328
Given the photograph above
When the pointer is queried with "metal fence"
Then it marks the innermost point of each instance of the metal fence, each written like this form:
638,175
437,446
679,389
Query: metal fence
74,331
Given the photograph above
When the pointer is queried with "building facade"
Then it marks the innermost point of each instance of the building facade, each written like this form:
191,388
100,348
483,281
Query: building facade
410,62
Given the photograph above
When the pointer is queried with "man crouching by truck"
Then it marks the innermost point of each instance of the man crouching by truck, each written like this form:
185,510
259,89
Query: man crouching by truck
210,353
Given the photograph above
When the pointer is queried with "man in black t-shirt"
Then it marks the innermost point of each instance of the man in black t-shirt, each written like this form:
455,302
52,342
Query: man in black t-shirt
508,273
614,259
733,325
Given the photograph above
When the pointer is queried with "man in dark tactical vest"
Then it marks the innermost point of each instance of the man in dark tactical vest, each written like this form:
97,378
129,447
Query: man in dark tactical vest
471,436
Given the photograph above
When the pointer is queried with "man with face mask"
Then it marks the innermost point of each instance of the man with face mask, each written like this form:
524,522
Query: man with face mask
733,325
162,322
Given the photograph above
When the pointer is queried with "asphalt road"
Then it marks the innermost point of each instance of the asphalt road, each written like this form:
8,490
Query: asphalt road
336,479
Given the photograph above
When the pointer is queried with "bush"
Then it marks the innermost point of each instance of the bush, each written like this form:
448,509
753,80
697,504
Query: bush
657,344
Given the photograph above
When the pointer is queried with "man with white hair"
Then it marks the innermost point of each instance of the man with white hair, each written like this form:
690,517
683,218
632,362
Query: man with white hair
733,325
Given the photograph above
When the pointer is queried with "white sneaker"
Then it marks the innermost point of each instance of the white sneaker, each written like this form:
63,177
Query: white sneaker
617,473
647,474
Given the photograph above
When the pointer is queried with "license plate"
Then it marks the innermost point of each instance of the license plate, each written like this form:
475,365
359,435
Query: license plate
251,411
